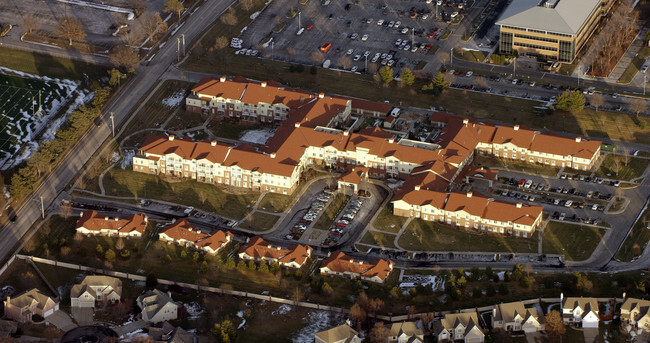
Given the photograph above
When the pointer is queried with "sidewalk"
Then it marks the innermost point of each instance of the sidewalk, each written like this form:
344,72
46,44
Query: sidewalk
627,57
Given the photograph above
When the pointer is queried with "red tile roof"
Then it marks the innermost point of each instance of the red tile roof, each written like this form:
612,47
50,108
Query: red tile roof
258,248
216,240
342,263
182,229
94,221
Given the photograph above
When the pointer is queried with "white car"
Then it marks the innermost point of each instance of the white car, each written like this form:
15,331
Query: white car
469,73
398,23
349,52
380,22
366,54
414,48
407,47
398,42
364,38
189,210
383,56
391,23
355,68
568,203
405,30
375,58
357,57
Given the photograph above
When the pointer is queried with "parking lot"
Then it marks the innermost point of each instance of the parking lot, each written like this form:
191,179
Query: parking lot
365,32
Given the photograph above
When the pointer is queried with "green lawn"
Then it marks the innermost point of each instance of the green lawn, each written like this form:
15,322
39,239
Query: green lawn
440,237
567,69
379,238
637,239
575,242
445,35
128,183
386,221
331,211
230,130
489,161
259,221
635,167
633,68
470,55
41,64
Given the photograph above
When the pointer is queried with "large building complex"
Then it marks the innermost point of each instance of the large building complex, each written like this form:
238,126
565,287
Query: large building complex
431,170
555,29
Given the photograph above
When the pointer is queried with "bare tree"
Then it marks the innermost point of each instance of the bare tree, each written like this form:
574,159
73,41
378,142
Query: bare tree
138,6
291,51
297,295
317,57
123,56
372,68
379,333
133,37
152,25
616,164
345,62
626,155
230,17
221,42
247,5
71,29
480,82
638,105
174,6
31,23
597,100
119,244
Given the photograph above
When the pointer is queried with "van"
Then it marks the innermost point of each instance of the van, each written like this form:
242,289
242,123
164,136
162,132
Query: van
325,47
394,112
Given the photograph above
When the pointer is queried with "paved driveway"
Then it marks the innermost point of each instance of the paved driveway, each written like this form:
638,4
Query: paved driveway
83,315
61,320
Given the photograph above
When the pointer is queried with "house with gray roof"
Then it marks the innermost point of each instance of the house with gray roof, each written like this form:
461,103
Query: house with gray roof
636,313
405,332
170,334
25,305
340,334
464,327
157,306
515,316
580,311
96,288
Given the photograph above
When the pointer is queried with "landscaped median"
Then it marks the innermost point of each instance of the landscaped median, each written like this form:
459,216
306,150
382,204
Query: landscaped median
259,221
636,240
621,167
575,242
421,235
327,218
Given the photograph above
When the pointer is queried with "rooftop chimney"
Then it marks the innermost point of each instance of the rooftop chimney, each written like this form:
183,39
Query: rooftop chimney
346,133
213,143
391,140
263,84
518,205
297,124
146,219
465,121
578,139
278,248
469,194
269,246
222,79
516,127
272,155
171,137
417,187
105,218
116,218
321,95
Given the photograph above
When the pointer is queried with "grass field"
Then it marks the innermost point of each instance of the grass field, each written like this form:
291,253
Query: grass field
41,64
128,183
25,102
635,167
440,237
379,238
330,213
274,202
575,242
470,55
388,222
259,221
637,239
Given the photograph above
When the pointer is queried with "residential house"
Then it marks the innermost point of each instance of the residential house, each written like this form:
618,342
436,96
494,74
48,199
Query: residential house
93,223
405,332
340,334
259,250
170,334
339,264
214,243
182,232
464,327
96,288
635,312
515,316
157,306
580,311
29,303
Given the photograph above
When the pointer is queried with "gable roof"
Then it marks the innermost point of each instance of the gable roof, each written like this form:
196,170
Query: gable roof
216,240
96,280
408,328
468,320
340,333
259,248
567,17
586,304
342,263
508,311
94,221
153,301
183,229
27,298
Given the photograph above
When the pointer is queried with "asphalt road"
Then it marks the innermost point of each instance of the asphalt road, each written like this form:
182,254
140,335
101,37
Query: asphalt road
122,107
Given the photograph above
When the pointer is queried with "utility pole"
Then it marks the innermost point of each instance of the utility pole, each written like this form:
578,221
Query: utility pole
366,70
451,55
183,37
178,49
42,209
299,24
514,65
272,48
644,82
412,37
113,123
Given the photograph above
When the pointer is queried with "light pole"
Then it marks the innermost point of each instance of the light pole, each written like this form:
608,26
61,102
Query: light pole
366,69
644,81
42,209
113,123
451,54
299,24
272,48
183,37
514,66
178,49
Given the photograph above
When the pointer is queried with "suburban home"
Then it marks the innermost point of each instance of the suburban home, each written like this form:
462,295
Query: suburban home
170,334
96,288
183,233
259,250
93,223
25,305
405,332
580,311
340,334
515,316
339,264
635,312
157,306
214,243
464,327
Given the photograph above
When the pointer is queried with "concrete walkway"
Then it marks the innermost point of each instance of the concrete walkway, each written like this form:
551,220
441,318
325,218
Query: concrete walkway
400,232
627,57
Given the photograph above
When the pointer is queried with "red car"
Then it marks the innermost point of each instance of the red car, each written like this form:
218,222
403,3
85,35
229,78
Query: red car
309,27
522,182
341,224
431,35
428,47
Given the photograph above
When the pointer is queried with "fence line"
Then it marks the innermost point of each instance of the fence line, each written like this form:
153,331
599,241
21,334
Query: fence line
223,291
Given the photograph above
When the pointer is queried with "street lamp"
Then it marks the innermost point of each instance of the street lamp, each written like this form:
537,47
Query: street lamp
644,81
452,57
178,49
42,209
183,37
514,66
113,123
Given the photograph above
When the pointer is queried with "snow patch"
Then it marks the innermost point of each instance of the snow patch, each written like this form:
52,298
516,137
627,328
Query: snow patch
127,159
254,15
240,314
283,309
257,136
175,99
317,321
194,310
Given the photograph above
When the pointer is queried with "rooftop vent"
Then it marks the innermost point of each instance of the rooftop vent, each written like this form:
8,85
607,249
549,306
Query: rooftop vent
171,137
519,205
213,143
548,3
321,95
469,194
516,127
222,79
578,139
417,187
263,84
297,124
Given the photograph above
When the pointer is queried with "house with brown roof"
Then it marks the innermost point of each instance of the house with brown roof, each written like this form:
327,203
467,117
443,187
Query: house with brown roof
405,332
96,288
215,242
339,264
635,312
582,312
340,334
464,327
92,223
183,233
351,179
259,250
515,316
25,305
